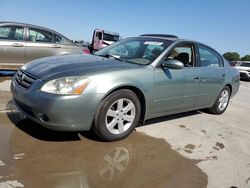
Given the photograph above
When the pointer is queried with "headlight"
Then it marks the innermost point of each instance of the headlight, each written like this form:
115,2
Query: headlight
66,86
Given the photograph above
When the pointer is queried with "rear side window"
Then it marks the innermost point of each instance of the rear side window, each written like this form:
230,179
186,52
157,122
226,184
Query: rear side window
209,58
39,35
11,32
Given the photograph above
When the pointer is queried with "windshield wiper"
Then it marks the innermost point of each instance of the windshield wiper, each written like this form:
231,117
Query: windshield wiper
111,56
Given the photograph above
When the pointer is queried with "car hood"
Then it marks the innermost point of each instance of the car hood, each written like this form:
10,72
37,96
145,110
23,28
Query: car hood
73,65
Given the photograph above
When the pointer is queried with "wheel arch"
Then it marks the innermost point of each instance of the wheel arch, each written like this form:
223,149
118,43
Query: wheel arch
230,87
139,94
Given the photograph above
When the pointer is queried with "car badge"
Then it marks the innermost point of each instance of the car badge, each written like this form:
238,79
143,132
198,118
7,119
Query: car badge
22,77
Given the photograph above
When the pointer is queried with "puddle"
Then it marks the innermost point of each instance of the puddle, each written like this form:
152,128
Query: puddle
219,146
54,159
182,126
190,146
203,131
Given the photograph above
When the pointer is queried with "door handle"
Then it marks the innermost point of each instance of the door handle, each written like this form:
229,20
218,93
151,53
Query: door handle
196,78
223,75
56,46
17,45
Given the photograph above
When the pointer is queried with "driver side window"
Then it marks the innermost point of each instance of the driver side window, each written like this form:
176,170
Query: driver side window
183,53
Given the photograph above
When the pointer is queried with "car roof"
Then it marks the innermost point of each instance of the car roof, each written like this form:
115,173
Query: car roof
31,25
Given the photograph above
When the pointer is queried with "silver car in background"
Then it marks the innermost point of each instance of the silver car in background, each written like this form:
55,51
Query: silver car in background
244,69
21,43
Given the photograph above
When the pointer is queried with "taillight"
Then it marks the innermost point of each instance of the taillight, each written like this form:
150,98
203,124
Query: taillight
86,51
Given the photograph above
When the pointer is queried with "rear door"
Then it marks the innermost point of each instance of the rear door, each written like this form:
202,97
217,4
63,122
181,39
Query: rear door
11,46
213,75
40,43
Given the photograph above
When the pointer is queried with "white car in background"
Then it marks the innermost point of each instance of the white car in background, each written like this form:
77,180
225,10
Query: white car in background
244,69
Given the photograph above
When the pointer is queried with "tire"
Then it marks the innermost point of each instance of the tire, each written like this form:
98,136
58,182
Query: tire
221,102
117,115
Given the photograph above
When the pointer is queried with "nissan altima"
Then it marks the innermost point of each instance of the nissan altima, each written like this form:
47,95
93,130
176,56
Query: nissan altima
124,84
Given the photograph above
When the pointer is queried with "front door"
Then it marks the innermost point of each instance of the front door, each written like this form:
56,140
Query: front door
168,91
176,90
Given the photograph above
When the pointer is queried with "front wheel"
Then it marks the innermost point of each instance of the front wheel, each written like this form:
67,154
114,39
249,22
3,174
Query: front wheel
117,115
222,101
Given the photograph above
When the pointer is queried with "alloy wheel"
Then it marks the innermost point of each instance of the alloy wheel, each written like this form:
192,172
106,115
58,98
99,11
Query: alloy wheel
120,116
223,100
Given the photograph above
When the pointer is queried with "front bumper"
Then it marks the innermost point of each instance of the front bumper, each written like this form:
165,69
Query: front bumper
56,112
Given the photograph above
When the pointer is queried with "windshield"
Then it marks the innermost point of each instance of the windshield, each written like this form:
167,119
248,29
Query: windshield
135,50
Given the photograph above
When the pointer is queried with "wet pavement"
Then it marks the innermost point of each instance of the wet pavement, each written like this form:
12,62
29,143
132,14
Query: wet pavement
36,157
32,156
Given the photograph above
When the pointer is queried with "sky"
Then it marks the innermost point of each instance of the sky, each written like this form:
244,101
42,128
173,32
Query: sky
221,24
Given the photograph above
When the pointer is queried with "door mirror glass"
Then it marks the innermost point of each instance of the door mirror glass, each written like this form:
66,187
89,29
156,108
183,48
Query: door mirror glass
172,64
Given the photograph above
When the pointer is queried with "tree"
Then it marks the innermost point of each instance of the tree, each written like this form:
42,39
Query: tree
245,58
232,56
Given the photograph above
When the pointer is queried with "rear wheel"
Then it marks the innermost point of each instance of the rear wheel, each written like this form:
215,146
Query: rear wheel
222,101
117,115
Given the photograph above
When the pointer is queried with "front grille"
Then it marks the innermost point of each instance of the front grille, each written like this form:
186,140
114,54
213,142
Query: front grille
24,79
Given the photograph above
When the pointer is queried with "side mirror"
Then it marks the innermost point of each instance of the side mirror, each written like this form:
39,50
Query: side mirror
172,64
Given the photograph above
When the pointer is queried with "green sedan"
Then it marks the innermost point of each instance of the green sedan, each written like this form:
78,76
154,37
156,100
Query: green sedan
112,91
